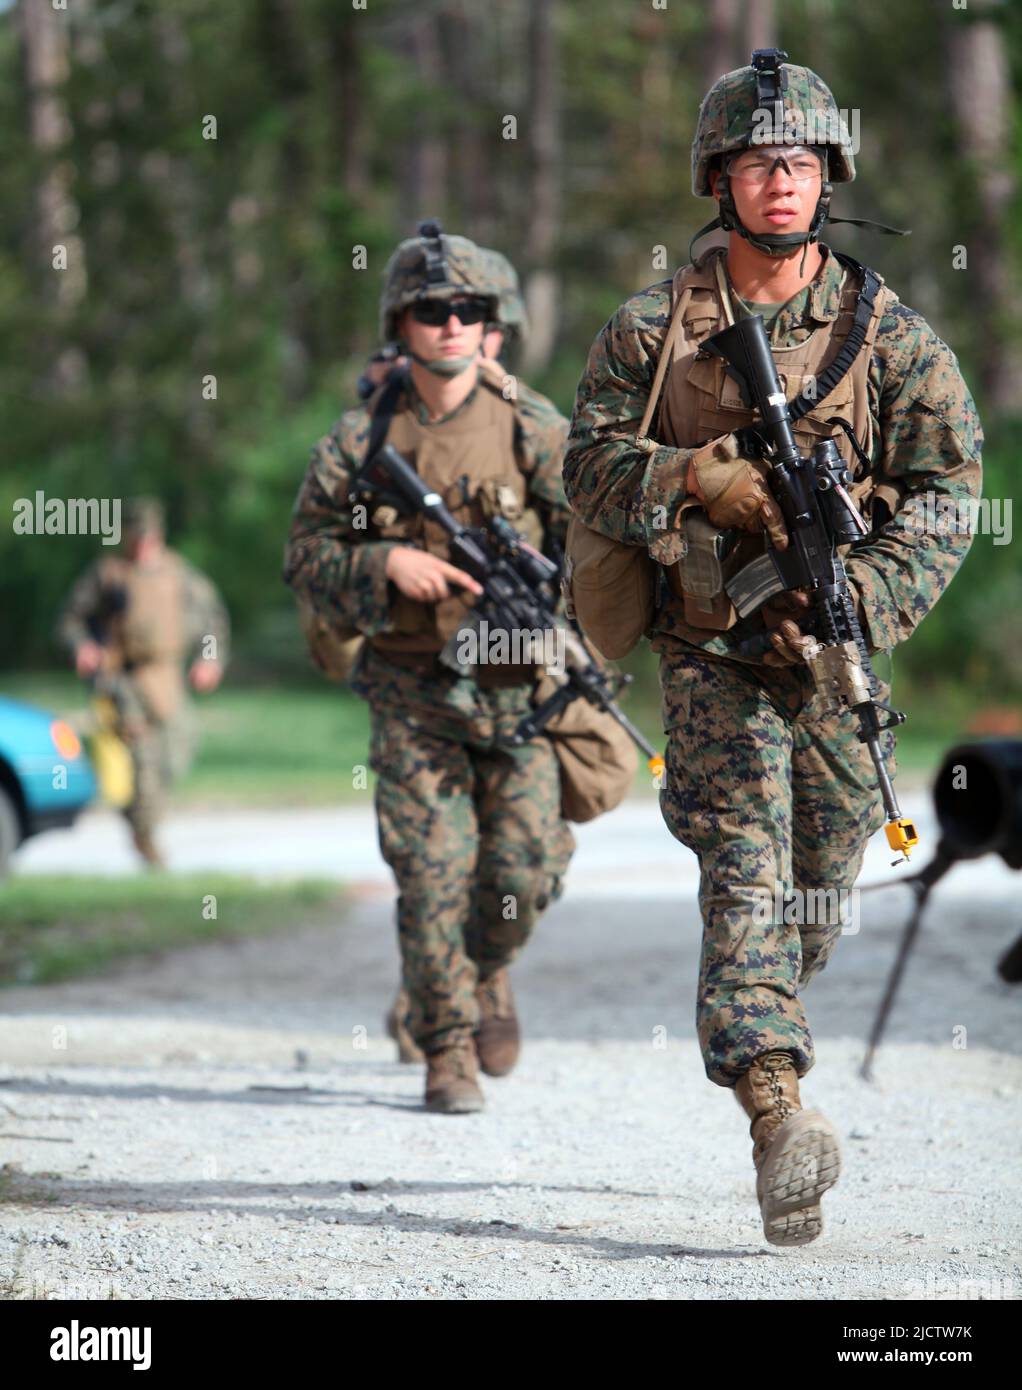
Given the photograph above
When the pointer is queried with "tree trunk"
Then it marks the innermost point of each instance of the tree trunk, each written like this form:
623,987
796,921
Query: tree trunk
424,168
981,99
760,26
721,53
288,60
44,49
468,59
542,289
349,102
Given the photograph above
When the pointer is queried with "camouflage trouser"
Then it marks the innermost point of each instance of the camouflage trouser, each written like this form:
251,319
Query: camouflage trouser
474,836
160,752
772,795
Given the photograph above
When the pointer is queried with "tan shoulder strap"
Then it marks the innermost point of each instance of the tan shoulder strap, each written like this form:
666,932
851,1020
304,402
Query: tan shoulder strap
642,439
725,293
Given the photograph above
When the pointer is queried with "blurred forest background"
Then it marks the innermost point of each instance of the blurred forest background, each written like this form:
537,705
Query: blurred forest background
339,125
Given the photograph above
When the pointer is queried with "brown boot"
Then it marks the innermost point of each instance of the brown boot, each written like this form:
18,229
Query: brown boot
452,1080
795,1151
497,1038
408,1050
146,846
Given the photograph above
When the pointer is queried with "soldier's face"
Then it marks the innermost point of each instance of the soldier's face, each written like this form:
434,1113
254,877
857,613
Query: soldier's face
450,339
782,201
143,546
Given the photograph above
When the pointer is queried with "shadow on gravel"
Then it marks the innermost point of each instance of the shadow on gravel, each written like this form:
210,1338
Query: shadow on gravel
251,1095
140,1198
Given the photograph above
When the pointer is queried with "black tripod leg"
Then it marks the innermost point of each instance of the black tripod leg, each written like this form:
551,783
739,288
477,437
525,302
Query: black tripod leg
922,892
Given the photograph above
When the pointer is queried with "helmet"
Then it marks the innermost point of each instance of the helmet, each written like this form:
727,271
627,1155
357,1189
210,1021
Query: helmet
141,516
433,265
746,101
510,313
769,102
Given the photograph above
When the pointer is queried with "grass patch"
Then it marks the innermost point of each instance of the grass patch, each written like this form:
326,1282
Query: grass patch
299,744
283,746
60,928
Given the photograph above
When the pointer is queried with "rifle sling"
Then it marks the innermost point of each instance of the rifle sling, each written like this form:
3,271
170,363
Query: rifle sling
842,363
383,412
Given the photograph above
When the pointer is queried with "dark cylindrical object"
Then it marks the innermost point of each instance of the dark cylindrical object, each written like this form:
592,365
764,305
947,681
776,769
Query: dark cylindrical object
404,478
746,347
1009,967
842,522
978,799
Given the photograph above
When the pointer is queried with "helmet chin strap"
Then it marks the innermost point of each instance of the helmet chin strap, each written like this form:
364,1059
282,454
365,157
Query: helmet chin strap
782,243
441,366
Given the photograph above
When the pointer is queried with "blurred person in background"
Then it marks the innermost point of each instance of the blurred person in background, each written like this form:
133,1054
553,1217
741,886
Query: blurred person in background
141,625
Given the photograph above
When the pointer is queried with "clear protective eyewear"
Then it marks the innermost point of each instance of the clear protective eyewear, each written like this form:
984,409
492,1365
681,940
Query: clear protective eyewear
756,165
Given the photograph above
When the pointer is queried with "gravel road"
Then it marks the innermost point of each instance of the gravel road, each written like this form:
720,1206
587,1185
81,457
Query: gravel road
229,1121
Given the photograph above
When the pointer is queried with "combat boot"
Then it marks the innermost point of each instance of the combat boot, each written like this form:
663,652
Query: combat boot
408,1050
795,1151
452,1080
146,846
497,1037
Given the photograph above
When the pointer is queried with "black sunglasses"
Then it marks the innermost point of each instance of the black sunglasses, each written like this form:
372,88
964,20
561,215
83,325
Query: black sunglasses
436,312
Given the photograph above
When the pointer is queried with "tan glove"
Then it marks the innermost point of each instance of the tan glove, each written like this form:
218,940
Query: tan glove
788,639
736,490
790,643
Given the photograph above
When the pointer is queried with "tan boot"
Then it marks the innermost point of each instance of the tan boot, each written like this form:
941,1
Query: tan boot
452,1080
146,846
408,1050
497,1038
795,1151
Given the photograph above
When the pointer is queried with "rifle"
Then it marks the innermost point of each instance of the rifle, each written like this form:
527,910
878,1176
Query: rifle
820,516
519,594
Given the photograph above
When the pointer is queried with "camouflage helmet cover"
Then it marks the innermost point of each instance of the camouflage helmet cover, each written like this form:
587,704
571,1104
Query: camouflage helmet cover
728,119
433,265
141,516
510,313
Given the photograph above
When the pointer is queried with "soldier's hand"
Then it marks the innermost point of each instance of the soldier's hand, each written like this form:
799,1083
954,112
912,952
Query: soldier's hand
423,576
378,371
784,605
735,488
737,494
790,645
205,675
88,659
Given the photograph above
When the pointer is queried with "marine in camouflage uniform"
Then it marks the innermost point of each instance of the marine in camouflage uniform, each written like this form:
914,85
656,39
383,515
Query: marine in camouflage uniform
471,828
765,787
504,334
135,622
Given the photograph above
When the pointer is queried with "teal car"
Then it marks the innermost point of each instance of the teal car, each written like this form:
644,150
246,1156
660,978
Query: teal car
46,778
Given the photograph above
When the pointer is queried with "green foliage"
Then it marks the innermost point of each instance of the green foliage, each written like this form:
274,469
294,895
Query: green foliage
233,258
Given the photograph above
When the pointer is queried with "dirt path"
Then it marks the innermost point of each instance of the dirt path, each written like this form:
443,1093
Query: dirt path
229,1122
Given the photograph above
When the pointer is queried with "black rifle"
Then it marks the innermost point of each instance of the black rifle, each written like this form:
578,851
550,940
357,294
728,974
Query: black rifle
519,587
819,515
